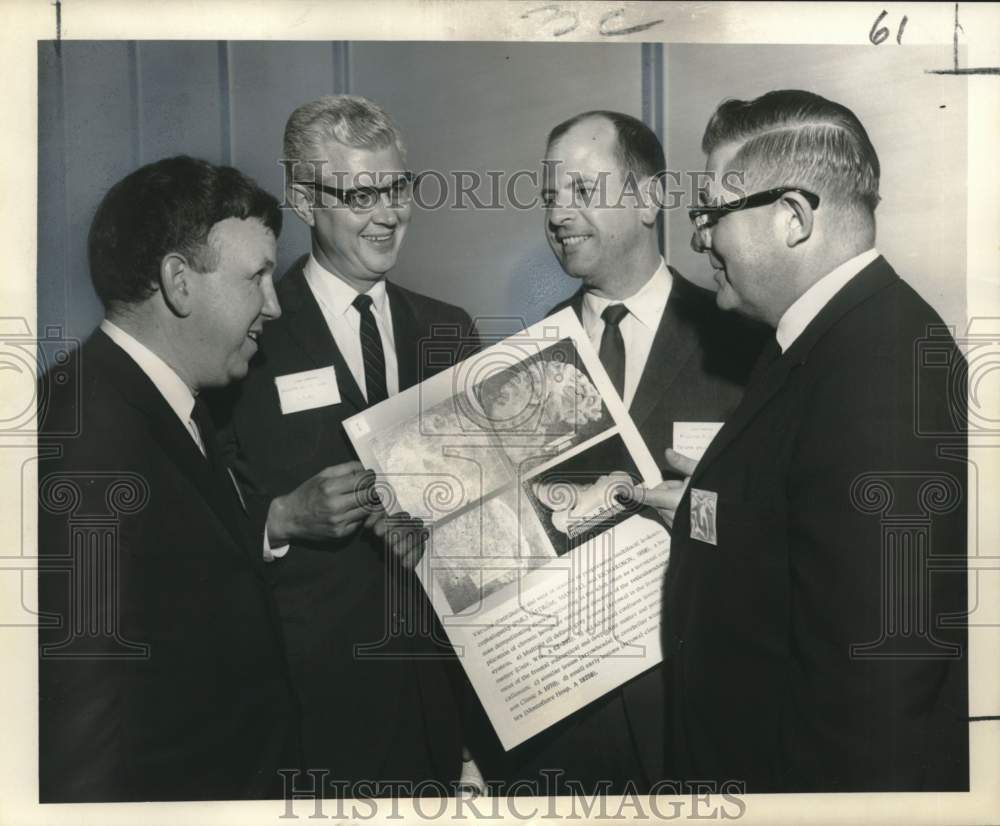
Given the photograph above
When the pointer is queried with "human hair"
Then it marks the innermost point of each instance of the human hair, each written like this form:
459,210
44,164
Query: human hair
639,150
795,138
348,119
169,206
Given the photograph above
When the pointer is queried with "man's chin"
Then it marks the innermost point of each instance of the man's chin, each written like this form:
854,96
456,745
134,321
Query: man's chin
586,274
571,267
377,270
378,262
726,299
237,372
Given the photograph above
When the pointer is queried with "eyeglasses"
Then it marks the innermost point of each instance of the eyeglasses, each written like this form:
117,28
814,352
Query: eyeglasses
366,198
706,217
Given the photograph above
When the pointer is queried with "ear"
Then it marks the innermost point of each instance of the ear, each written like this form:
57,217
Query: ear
301,199
798,217
176,283
652,190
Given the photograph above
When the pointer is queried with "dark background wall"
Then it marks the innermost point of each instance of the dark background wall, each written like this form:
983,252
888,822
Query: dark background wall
106,107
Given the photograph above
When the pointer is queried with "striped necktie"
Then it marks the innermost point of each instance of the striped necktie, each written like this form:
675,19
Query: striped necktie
371,352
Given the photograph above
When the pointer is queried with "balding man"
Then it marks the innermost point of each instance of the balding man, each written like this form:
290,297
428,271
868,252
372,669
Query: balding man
674,359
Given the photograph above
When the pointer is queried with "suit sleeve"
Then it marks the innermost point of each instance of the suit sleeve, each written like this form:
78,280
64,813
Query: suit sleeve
80,723
860,716
255,497
83,695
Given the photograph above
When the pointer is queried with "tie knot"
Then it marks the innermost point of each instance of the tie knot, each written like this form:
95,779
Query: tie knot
202,417
362,303
614,313
206,428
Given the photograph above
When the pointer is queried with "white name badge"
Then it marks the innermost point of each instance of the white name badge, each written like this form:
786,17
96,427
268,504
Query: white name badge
693,438
307,390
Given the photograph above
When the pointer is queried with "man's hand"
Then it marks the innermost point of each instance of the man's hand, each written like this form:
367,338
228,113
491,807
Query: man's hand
666,496
407,535
331,505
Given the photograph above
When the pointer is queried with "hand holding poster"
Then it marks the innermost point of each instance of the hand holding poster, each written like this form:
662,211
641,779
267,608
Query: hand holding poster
546,581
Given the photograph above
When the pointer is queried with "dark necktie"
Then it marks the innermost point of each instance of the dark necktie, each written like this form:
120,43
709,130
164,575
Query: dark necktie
769,354
218,466
371,352
206,428
612,352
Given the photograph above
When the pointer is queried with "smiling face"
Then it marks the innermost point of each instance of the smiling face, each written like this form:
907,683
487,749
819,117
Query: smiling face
359,247
743,248
232,302
609,247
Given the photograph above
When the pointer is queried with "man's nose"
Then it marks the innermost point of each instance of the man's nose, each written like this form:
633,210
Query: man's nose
387,210
272,308
559,214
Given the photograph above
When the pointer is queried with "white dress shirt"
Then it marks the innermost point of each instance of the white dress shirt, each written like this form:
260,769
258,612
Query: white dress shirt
171,386
335,299
178,397
638,328
808,305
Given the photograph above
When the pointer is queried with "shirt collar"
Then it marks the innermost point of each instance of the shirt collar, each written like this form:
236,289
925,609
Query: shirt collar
171,386
335,293
808,305
646,305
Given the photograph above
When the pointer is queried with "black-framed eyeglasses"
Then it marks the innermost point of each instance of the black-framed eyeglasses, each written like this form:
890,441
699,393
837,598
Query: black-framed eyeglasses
366,198
706,217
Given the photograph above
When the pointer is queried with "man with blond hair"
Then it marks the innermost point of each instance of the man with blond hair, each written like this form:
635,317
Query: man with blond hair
367,660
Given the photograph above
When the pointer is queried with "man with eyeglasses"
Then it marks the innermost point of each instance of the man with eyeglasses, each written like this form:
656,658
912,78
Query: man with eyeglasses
803,637
366,661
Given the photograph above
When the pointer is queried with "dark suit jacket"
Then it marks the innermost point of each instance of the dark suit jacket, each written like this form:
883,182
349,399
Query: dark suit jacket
171,684
363,715
697,366
810,472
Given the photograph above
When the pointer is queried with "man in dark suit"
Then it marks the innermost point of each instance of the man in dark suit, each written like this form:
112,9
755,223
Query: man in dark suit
365,652
674,359
814,603
161,669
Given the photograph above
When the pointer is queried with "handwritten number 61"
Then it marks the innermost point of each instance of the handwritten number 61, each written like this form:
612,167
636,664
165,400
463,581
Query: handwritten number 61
879,33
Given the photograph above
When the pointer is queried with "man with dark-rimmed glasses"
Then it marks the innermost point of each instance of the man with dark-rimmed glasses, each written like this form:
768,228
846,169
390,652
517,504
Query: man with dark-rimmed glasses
803,637
371,712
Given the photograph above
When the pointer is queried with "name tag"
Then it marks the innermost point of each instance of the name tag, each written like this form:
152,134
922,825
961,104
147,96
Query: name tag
307,390
704,508
693,438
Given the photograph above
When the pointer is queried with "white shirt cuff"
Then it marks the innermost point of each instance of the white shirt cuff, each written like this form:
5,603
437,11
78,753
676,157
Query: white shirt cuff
271,554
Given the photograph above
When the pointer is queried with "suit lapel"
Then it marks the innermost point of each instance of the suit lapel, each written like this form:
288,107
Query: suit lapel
876,276
406,334
305,323
169,432
673,344
757,395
